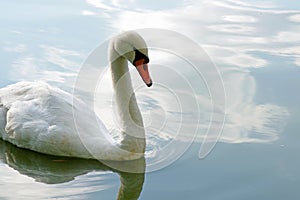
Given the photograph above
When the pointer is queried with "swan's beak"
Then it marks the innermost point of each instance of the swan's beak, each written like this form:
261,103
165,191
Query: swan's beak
143,71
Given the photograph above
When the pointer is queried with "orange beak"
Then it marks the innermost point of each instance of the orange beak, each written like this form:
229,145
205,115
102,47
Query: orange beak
142,68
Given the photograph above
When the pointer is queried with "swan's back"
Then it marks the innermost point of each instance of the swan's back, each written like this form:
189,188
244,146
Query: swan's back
39,117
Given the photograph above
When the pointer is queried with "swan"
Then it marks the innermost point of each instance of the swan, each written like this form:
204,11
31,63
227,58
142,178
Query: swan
39,117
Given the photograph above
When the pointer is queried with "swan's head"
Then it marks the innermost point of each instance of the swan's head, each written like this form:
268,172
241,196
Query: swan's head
133,47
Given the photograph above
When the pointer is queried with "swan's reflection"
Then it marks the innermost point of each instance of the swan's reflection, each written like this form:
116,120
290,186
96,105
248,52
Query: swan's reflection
53,170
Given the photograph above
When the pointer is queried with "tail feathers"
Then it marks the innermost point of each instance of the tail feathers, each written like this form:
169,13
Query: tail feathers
3,120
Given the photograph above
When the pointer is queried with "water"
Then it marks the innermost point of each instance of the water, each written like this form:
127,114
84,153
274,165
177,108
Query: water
255,46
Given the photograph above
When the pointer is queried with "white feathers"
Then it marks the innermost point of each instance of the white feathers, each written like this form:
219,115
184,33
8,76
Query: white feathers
39,117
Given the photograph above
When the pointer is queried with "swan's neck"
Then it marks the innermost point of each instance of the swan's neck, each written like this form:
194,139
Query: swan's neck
130,118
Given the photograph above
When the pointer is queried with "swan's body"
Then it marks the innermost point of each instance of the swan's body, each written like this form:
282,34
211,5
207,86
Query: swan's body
37,116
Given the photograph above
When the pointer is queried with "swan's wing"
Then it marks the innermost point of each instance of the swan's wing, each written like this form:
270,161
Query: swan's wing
39,117
23,91
25,113
18,106
26,123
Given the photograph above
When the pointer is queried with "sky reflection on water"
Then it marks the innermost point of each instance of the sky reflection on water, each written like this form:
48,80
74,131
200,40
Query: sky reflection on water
255,45
235,35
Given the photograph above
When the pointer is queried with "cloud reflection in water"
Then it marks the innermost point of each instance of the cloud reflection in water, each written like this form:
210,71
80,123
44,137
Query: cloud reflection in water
230,31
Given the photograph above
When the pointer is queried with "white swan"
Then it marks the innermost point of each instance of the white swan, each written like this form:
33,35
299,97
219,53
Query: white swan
37,116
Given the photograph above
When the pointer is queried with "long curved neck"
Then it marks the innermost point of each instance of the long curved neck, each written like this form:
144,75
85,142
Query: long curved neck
130,118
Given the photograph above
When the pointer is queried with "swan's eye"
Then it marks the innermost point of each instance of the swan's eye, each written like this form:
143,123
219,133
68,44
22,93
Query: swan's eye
140,56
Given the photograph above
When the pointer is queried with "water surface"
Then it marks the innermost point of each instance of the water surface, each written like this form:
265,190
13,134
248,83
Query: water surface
254,44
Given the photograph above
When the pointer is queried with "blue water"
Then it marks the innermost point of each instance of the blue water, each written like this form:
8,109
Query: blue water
255,46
